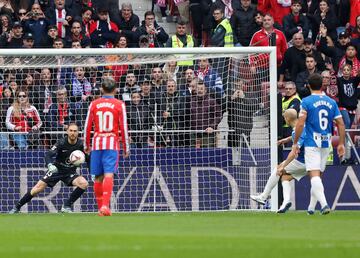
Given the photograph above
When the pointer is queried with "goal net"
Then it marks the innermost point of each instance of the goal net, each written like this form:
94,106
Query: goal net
202,124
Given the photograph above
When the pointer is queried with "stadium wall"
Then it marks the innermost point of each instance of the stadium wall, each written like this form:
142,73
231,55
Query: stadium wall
192,180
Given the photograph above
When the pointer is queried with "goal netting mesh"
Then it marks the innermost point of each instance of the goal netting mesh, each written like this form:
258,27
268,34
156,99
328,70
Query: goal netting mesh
199,125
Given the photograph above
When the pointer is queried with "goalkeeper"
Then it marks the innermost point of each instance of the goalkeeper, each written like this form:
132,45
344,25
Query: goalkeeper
292,167
60,168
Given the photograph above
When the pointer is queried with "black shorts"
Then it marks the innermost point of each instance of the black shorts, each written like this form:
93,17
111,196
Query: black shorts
51,179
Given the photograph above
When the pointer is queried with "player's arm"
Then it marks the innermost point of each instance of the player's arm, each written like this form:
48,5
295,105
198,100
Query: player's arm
50,157
284,140
87,130
124,130
299,129
341,128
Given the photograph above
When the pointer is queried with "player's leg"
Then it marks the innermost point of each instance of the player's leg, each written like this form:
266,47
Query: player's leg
315,161
38,188
96,171
270,184
285,182
81,184
110,160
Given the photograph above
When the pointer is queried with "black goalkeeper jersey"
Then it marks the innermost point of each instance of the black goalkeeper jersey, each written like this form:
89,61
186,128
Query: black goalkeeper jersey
59,154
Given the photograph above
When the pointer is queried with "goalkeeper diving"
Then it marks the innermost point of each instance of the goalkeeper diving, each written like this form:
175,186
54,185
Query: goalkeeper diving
59,168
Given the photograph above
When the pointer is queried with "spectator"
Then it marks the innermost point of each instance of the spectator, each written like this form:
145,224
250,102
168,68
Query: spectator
28,40
205,117
120,70
128,23
6,23
181,40
22,117
157,84
302,78
21,15
147,95
211,79
130,87
86,19
354,31
52,34
156,35
330,86
241,106
325,16
60,114
36,24
77,34
349,95
264,36
290,100
184,88
79,87
288,69
300,65
335,51
350,57
171,71
354,11
5,103
103,32
243,23
7,7
295,21
138,120
60,16
222,35
173,114
276,8
44,94
13,39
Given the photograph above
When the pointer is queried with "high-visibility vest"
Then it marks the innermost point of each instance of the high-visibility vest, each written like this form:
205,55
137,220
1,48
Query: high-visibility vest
177,43
285,104
229,36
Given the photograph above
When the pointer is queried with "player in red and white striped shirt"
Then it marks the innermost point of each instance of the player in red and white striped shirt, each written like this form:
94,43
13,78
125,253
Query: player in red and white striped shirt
107,116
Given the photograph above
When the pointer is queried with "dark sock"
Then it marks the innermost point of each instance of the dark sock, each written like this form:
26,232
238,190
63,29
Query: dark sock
25,199
74,196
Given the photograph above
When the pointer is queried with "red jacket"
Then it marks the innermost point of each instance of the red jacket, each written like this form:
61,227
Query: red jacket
354,11
261,39
30,113
272,7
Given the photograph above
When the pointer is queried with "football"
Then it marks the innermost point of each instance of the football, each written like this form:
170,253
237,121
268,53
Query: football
77,157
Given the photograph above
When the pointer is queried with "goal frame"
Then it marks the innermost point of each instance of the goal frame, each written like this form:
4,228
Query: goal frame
183,51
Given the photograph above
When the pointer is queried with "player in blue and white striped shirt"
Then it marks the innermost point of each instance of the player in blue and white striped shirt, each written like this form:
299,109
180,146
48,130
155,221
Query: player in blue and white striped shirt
318,112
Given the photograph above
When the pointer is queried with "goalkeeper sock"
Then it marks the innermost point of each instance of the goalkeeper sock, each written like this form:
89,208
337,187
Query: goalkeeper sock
25,199
107,190
318,189
286,191
313,201
74,196
98,190
270,184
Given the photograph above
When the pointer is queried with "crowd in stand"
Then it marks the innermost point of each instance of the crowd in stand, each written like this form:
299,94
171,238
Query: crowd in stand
310,36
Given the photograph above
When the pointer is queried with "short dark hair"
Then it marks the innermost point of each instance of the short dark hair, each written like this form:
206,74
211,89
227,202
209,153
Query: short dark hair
108,84
296,2
315,81
148,13
181,22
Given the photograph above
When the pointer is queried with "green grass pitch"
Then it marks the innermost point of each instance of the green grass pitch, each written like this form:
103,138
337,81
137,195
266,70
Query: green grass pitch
219,234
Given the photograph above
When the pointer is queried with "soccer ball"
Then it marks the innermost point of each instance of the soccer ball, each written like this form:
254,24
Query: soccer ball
77,157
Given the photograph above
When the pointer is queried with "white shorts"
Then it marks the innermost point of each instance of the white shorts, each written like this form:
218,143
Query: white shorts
296,169
316,158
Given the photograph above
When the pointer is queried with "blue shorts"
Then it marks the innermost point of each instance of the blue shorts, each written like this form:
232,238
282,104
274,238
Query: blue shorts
103,161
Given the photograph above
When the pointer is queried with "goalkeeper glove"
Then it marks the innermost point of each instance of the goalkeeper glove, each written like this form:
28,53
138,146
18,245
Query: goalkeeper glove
52,168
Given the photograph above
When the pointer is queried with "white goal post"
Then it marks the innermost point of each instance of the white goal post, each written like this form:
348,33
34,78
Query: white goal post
177,165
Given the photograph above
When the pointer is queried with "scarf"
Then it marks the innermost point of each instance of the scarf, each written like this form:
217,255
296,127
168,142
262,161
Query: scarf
284,3
228,8
355,66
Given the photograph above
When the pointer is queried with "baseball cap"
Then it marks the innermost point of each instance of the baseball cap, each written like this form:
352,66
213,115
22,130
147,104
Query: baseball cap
17,24
308,41
146,79
28,36
343,34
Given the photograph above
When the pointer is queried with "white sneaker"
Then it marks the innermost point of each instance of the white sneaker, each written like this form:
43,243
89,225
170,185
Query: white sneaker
258,199
65,209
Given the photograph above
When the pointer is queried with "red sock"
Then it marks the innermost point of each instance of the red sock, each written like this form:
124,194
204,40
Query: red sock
98,190
107,190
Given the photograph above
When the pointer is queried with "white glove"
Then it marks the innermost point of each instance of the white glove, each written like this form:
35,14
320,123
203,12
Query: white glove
52,168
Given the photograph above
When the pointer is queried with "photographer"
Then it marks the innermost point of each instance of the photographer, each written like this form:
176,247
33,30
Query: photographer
21,116
36,24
